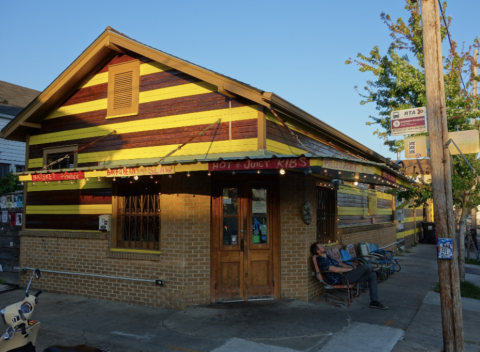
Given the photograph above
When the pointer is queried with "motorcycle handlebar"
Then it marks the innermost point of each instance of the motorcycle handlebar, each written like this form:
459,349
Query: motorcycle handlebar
38,293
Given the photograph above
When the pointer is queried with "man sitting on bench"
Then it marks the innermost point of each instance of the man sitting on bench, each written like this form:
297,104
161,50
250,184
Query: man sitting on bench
362,273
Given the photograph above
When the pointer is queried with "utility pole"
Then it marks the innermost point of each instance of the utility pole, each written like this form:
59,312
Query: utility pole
449,281
473,222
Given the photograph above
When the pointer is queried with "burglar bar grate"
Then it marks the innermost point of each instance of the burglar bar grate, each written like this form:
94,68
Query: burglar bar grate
326,206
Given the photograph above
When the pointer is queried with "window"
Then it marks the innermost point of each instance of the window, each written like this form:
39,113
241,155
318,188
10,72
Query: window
4,169
51,155
326,215
123,89
138,215
19,168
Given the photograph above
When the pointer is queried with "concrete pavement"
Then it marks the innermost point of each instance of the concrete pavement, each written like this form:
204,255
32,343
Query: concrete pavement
411,324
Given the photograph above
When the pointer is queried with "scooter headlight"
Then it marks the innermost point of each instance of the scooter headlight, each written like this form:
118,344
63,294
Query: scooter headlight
2,312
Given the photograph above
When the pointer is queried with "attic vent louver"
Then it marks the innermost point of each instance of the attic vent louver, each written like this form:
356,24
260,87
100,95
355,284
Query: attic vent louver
123,86
122,91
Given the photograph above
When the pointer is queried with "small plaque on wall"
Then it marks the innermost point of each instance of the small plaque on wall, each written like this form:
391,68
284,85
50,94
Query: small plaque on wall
307,213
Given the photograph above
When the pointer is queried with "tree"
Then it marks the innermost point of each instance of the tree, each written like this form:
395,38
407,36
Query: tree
399,83
9,183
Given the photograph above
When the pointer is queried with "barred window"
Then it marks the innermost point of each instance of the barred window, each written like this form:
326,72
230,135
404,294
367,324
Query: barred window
138,215
326,215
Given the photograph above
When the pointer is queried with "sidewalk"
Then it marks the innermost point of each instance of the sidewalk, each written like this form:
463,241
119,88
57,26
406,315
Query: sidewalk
272,326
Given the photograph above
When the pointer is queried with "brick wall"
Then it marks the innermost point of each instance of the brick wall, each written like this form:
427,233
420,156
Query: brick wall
296,237
184,262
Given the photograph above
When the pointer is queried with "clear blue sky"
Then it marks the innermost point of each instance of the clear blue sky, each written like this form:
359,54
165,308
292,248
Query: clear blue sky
296,49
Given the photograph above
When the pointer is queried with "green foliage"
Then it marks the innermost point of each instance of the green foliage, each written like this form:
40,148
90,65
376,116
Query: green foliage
9,183
399,76
472,261
467,289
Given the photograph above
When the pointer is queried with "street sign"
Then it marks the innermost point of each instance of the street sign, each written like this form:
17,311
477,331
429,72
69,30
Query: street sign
466,141
417,147
408,121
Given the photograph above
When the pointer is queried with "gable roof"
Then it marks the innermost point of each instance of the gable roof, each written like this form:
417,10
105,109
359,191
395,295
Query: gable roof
111,42
17,98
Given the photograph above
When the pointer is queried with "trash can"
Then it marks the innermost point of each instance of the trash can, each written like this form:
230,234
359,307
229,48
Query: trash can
429,233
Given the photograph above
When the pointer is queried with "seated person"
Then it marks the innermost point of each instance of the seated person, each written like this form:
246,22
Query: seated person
362,273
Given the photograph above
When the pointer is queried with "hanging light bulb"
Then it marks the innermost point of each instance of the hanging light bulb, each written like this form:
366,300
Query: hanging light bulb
114,179
339,172
233,172
169,176
282,171
33,183
156,181
188,174
21,183
209,174
355,183
310,171
258,172
151,177
71,182
99,179
135,178
59,181
131,181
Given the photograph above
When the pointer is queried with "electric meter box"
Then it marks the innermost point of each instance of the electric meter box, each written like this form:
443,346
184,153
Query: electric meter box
105,223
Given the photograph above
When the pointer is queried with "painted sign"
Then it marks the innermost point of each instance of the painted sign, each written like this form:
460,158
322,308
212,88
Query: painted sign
142,170
346,166
467,142
408,121
388,177
292,163
417,147
445,248
60,176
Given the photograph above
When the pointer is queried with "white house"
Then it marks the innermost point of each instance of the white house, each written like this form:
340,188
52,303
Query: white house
13,99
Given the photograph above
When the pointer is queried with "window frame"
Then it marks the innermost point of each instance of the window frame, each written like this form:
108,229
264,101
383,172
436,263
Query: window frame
113,70
9,168
64,149
333,214
17,166
116,231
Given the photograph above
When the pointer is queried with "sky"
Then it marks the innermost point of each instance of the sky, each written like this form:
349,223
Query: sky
296,49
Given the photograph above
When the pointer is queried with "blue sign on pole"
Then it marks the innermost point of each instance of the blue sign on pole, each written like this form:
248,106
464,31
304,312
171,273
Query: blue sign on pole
445,248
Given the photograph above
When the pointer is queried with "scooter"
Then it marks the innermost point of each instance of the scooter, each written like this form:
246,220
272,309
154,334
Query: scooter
21,334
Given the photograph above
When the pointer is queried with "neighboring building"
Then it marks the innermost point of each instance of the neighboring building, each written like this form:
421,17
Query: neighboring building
410,219
214,186
13,99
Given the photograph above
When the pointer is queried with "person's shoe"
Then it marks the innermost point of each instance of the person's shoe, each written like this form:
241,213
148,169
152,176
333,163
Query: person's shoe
377,305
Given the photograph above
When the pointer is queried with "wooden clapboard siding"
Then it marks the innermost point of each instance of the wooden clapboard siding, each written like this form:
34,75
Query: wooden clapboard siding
241,129
66,185
80,209
169,108
67,206
61,222
71,197
384,204
130,155
152,124
358,220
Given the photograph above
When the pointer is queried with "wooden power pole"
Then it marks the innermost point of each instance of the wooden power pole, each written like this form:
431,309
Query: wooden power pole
441,176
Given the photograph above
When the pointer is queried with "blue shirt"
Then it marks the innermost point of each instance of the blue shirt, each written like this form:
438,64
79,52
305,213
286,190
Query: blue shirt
324,264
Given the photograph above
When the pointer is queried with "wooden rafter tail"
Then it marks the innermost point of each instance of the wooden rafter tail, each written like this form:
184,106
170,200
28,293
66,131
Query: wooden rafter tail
291,132
191,139
45,167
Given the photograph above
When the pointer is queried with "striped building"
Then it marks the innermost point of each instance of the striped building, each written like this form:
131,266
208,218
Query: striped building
145,169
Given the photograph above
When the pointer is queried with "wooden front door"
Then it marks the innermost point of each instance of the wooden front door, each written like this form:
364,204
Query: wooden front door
244,241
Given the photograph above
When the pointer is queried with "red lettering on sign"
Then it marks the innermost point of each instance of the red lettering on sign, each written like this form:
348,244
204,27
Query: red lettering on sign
61,176
291,163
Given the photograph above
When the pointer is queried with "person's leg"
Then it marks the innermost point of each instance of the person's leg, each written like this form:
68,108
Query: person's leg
364,273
